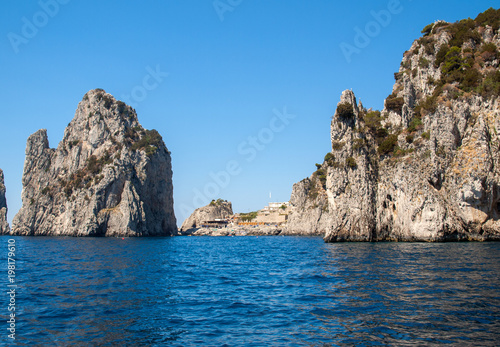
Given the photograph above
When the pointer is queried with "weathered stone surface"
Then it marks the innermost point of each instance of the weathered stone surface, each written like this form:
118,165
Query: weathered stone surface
426,172
107,177
4,225
234,231
326,201
217,209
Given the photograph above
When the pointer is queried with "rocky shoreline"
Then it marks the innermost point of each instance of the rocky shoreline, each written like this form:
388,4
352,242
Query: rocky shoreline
232,231
242,231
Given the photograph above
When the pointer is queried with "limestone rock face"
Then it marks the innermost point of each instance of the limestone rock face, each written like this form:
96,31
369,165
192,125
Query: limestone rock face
4,225
426,168
107,177
219,209
342,185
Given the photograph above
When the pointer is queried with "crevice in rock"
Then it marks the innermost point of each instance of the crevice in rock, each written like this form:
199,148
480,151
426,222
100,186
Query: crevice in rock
437,184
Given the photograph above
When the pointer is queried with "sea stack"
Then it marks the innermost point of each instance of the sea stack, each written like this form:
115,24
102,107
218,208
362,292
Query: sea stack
217,209
425,168
4,225
107,177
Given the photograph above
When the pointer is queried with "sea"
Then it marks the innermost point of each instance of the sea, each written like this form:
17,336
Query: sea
247,291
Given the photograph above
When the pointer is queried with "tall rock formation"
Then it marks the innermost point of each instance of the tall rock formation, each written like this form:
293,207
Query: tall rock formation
217,209
344,183
426,168
107,177
4,225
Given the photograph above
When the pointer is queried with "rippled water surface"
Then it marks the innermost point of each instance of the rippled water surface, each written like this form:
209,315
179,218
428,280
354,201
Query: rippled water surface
253,291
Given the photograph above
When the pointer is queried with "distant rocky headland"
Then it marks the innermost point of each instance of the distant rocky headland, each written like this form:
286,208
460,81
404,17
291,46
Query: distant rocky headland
217,210
108,177
218,219
425,168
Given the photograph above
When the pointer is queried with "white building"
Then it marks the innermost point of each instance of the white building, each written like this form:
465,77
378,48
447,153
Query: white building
275,206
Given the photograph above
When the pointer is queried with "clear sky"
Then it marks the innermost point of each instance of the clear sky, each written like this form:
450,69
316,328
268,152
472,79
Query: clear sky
242,91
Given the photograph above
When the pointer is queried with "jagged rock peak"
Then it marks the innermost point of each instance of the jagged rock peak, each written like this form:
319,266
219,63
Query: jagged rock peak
425,168
448,61
108,176
100,118
37,143
4,225
347,98
346,118
217,209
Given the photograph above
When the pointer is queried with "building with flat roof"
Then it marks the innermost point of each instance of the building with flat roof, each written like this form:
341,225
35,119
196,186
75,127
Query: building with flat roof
276,206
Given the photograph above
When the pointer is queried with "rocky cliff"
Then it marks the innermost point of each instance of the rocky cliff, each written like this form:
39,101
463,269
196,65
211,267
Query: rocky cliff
425,168
4,225
107,177
217,209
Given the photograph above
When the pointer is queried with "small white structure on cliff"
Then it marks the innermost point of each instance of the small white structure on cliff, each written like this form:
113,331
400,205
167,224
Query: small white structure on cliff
275,206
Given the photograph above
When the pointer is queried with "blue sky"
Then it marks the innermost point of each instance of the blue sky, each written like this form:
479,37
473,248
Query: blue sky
210,76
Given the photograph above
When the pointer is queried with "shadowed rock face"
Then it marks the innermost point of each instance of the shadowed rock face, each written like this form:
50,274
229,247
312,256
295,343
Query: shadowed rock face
4,226
107,177
215,210
426,167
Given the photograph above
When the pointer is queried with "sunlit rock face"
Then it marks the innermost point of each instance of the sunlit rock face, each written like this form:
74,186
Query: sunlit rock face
425,168
217,209
107,177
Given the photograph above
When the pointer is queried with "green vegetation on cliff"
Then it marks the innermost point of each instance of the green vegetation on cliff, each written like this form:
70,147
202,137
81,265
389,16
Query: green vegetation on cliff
344,110
466,61
217,202
139,139
247,217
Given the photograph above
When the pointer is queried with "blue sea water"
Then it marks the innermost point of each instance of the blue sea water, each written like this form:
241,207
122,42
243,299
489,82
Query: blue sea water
251,291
